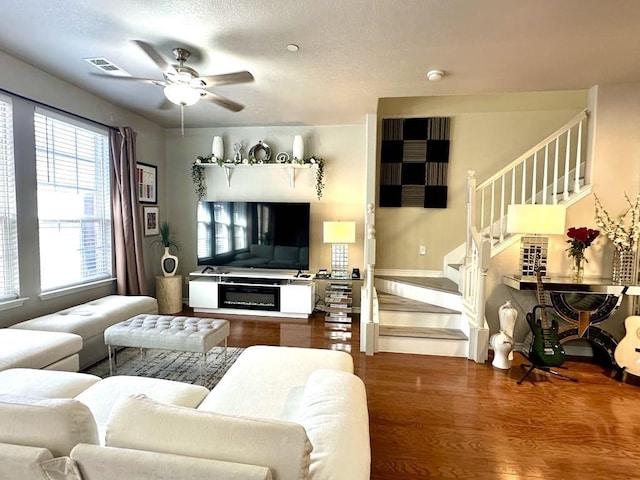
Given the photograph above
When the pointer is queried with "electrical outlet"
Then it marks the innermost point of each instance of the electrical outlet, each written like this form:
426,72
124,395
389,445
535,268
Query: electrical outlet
423,250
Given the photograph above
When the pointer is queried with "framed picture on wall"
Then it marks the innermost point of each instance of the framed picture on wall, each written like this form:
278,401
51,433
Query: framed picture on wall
151,220
147,179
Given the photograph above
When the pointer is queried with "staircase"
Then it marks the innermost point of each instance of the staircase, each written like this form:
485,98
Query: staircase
420,315
445,315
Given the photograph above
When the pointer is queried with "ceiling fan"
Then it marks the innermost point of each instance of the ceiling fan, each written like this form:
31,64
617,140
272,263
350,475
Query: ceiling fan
182,85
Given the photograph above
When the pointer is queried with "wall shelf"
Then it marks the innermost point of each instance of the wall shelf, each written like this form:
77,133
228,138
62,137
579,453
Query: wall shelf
289,168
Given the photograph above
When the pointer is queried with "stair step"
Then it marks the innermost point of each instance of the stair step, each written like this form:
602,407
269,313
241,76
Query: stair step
394,303
422,332
440,284
455,266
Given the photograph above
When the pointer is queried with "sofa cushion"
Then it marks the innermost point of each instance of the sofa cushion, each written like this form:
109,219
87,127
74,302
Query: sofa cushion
23,463
333,411
303,258
108,463
28,349
283,447
45,383
101,396
263,251
55,424
268,382
283,254
92,318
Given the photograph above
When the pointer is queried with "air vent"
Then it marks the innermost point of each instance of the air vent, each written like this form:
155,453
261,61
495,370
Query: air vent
106,66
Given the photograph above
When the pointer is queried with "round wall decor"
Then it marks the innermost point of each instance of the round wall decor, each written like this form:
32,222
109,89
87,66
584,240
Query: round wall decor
260,152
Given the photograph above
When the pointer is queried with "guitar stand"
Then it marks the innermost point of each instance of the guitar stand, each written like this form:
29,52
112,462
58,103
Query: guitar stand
546,369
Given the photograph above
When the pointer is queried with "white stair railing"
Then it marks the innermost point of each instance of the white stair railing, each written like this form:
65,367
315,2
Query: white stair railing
548,173
474,273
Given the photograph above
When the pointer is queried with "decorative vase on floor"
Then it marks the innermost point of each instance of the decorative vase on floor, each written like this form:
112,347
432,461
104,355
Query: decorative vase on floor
624,267
508,315
217,147
577,273
502,346
298,147
169,263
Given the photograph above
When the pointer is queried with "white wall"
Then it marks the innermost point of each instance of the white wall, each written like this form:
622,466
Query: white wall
343,148
22,79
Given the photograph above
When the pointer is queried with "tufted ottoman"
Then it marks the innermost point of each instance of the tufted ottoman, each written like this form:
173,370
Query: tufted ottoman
167,332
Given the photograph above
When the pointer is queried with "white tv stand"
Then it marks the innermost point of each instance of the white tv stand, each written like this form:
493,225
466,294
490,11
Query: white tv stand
249,292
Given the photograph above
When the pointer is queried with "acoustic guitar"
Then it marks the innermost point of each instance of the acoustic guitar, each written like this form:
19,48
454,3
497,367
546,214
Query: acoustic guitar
545,349
627,352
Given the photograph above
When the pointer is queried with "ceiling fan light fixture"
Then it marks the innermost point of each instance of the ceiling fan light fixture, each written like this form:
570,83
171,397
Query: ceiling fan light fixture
181,94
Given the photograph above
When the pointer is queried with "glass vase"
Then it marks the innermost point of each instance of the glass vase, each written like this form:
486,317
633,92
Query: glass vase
577,273
624,267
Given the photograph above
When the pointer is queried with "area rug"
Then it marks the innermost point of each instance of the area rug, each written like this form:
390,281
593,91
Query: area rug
169,365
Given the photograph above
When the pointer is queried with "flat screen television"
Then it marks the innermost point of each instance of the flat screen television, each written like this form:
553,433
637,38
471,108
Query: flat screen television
272,235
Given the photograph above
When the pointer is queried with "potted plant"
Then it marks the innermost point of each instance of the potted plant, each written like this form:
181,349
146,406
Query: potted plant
168,262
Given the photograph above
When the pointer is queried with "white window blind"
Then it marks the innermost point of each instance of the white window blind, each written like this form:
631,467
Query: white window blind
9,275
74,215
204,231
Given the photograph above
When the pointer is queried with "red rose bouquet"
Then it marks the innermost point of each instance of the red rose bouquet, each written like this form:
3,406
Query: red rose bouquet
579,240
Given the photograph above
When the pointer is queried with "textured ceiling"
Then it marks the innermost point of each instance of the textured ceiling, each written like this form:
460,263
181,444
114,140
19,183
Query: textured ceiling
352,52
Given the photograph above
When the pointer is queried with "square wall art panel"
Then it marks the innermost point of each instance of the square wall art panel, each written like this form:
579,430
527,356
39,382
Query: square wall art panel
414,159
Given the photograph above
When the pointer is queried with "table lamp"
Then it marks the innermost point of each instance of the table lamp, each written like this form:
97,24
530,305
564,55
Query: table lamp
339,235
533,221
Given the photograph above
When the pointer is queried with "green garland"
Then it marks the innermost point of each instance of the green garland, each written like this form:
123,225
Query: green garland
198,177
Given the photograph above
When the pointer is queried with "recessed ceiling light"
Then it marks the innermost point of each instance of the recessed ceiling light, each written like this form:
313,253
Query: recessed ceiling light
435,75
292,47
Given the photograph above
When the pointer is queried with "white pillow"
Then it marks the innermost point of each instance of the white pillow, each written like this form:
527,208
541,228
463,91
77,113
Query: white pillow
140,423
61,468
55,424
333,412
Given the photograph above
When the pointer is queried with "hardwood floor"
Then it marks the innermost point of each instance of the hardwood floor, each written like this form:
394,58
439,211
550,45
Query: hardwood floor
450,418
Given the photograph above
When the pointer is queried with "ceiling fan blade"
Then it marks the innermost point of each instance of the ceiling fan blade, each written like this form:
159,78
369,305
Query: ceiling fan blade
222,101
161,83
155,56
225,79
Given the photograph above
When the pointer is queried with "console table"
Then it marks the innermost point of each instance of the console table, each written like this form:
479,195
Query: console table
582,317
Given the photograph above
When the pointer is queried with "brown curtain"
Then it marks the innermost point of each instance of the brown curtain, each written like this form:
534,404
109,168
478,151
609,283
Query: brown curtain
127,224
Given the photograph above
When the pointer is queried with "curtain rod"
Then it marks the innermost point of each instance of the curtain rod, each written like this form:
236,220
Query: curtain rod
59,110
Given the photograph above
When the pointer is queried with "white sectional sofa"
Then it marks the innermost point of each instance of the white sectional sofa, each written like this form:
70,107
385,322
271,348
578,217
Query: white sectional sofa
35,349
87,321
279,413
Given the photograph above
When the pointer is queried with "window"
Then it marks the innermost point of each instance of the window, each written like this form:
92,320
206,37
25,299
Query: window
9,278
74,218
204,231
222,219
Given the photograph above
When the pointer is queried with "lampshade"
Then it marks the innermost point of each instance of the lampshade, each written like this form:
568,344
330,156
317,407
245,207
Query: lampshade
339,232
539,219
181,94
